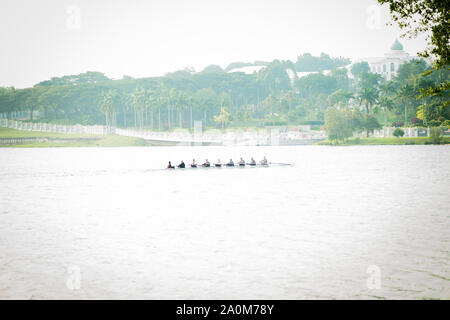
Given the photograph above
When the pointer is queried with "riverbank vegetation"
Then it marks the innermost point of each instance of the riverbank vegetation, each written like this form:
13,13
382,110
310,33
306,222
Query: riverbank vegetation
276,95
31,139
386,141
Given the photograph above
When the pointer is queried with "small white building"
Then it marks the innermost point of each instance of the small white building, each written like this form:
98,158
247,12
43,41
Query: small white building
388,65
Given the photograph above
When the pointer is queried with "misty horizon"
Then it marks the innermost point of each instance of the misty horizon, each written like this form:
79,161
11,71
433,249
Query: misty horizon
75,37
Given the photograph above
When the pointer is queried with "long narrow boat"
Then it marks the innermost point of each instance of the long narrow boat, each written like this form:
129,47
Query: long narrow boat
236,166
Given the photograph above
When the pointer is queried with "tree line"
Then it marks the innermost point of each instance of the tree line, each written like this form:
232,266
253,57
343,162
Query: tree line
275,95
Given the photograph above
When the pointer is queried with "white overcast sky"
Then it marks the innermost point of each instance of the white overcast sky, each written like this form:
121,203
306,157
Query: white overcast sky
140,38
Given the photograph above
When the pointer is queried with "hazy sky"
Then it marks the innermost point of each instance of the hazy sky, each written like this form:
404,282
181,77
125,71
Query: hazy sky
46,38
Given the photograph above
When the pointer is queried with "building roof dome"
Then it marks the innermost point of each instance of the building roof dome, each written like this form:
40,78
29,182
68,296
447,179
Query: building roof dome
397,46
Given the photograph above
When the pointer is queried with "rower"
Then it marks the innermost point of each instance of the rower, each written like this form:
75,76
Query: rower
182,165
263,161
193,164
170,166
230,163
218,163
252,162
206,164
241,162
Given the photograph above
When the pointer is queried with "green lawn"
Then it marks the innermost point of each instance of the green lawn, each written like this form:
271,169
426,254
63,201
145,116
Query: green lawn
385,141
69,140
14,133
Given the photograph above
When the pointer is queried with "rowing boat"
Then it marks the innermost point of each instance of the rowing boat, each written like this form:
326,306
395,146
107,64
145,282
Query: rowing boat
236,166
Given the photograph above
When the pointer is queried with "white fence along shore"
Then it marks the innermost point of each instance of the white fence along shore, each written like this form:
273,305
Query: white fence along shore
266,136
56,128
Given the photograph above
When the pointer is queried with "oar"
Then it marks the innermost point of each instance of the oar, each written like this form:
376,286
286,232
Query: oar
281,164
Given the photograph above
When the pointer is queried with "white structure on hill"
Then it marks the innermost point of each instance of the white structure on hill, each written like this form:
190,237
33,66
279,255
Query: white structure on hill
388,65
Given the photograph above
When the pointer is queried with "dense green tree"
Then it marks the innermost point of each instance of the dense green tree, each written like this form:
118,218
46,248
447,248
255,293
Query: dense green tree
206,100
223,118
338,124
370,80
340,98
308,63
213,68
342,79
274,95
358,68
89,77
315,84
370,123
7,99
398,133
275,76
429,17
432,19
367,97
411,72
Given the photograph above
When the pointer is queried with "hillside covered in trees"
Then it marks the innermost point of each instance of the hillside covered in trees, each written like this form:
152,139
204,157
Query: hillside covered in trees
274,95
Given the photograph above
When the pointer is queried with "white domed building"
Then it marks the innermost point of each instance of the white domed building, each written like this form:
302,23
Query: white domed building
388,65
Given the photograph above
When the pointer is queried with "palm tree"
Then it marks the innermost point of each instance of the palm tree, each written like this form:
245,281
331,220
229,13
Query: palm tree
107,104
104,105
171,105
137,102
223,117
387,88
162,100
387,91
177,105
292,99
368,96
125,109
182,103
153,101
386,104
190,100
224,104
147,102
207,100
272,101
405,94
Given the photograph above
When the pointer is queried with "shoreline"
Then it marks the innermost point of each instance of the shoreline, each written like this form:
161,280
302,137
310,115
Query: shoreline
12,138
385,142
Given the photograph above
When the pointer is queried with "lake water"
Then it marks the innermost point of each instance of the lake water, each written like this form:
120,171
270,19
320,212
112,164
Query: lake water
343,223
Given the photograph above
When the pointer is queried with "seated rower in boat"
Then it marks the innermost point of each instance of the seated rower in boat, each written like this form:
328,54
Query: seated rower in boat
241,162
170,166
230,163
263,162
193,164
206,164
252,162
181,165
218,163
